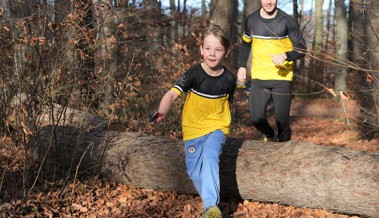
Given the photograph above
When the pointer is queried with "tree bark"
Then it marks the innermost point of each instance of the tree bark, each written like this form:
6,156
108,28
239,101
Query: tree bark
341,45
319,26
359,39
225,14
249,7
317,62
372,31
293,173
106,57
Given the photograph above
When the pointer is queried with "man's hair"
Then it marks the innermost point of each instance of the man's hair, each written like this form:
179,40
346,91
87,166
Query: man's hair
221,33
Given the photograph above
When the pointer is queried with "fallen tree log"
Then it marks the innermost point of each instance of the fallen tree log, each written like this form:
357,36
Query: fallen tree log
293,173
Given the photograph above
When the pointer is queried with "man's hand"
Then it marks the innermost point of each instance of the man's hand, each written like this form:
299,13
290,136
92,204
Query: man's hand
241,74
279,59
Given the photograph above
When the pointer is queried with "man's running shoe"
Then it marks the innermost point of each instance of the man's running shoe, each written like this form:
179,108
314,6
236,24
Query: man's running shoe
270,139
212,212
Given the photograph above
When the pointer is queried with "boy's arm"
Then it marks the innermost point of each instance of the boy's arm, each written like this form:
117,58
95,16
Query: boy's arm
166,103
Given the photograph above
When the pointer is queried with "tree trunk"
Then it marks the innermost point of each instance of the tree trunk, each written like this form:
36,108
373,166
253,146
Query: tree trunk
356,20
372,31
174,24
19,29
152,16
357,16
204,9
319,26
302,24
249,7
341,44
309,175
328,77
225,14
293,173
295,10
106,58
317,70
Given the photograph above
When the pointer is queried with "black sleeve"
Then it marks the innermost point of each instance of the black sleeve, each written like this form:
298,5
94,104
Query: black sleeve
243,53
298,42
184,83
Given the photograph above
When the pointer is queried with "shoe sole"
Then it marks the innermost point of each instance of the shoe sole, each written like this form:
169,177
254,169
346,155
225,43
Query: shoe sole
213,213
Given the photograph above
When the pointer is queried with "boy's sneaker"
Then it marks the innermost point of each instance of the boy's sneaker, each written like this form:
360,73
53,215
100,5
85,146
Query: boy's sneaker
212,212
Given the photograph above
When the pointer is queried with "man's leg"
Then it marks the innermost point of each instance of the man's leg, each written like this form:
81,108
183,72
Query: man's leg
258,101
282,104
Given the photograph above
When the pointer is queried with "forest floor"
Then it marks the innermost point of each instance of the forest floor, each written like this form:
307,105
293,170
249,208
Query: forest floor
321,121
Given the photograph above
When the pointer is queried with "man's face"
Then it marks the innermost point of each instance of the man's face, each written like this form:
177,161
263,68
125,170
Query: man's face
269,6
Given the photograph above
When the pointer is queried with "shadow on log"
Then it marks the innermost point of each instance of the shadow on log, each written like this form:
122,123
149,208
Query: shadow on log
293,173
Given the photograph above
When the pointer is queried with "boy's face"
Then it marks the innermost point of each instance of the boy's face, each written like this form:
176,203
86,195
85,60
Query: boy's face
213,51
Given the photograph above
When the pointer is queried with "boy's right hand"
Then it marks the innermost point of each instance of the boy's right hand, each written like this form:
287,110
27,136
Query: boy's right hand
157,117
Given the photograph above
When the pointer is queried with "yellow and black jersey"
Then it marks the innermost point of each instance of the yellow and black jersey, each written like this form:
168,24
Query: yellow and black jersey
207,105
266,37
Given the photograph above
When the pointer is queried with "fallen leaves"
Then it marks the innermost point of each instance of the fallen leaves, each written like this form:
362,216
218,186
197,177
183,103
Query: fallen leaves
96,197
100,199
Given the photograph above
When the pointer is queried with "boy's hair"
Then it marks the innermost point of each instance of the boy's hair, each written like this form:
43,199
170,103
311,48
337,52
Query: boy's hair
218,31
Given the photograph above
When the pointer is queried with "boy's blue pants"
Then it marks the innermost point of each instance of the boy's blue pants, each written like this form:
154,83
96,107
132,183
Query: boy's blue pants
202,161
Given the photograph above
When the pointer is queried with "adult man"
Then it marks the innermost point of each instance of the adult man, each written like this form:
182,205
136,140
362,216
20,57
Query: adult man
275,41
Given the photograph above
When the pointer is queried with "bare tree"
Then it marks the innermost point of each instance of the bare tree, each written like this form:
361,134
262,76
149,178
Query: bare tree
319,26
301,62
316,72
174,23
19,10
249,7
295,9
372,31
341,45
6,62
106,17
225,14
329,36
204,9
357,32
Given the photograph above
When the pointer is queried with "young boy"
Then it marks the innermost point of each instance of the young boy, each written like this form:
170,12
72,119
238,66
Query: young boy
206,116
